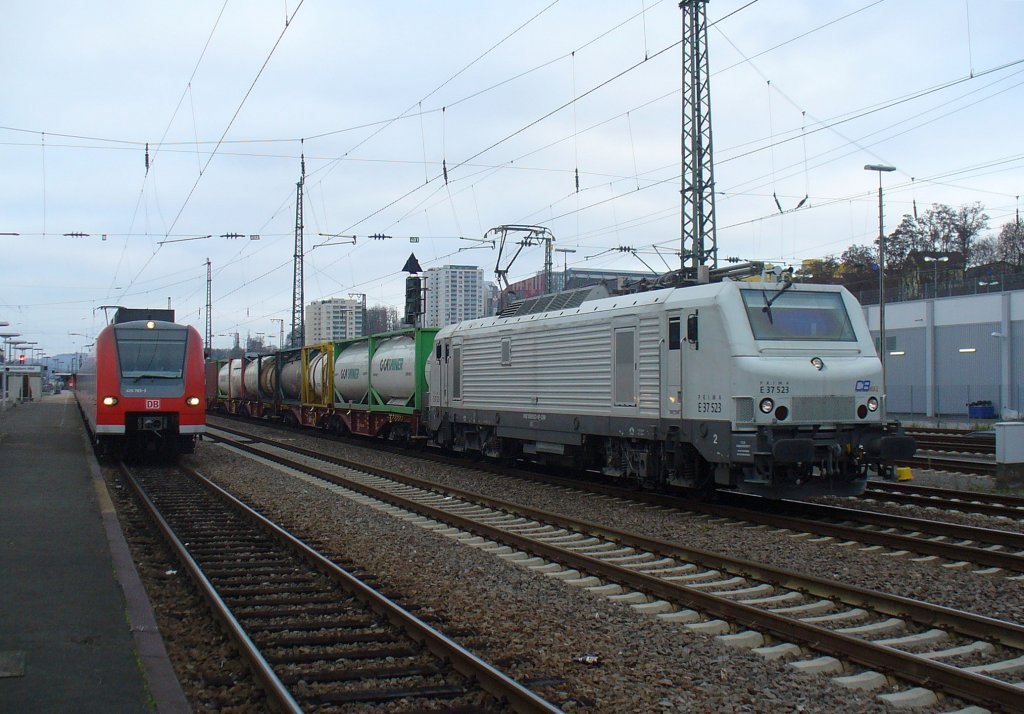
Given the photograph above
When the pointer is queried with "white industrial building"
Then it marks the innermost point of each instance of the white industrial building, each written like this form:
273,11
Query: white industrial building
333,319
945,355
453,293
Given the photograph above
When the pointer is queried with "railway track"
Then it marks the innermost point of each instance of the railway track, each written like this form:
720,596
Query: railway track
957,545
990,504
960,443
314,635
777,613
949,462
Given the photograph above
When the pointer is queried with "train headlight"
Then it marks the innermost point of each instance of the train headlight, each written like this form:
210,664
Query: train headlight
818,364
766,405
192,401
109,401
873,404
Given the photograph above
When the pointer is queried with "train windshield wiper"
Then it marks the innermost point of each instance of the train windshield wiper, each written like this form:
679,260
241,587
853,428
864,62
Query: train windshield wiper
767,309
156,376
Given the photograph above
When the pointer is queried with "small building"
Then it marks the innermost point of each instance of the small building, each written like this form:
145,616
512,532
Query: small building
943,355
23,383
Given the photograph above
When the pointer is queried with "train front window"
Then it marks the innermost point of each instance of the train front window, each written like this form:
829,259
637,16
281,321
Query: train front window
151,354
798,315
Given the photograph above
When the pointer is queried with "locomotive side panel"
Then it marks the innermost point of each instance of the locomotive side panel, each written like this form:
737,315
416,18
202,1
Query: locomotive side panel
525,367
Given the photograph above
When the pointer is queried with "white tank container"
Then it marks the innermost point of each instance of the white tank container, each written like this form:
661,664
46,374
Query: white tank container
291,379
351,373
317,375
235,377
251,377
393,371
223,378
268,377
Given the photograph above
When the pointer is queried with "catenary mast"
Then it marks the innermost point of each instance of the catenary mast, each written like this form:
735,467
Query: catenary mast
209,304
698,244
298,294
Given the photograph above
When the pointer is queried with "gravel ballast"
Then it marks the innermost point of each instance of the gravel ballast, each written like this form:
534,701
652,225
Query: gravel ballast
537,627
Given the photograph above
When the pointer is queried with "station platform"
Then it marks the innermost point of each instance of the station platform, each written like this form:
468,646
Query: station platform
77,633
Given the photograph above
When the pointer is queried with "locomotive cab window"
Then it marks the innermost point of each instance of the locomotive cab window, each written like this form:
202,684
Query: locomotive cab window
151,354
796,315
673,333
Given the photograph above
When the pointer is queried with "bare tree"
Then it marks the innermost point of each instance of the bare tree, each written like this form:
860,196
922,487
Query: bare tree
985,251
381,318
1011,243
968,223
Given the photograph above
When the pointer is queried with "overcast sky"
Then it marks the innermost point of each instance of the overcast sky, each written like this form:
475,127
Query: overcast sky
383,97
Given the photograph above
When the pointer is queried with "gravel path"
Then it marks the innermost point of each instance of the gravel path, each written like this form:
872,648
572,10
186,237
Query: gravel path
536,627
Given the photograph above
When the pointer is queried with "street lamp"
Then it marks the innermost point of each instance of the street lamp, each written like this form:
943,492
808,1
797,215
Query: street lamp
565,262
280,342
7,342
935,270
3,382
881,168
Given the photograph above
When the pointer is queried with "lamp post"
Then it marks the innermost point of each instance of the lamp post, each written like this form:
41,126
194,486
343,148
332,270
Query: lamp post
565,262
935,260
6,350
881,168
78,355
280,320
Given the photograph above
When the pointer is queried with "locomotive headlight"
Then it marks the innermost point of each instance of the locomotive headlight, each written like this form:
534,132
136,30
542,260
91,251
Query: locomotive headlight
818,364
766,405
873,404
109,401
192,401
150,325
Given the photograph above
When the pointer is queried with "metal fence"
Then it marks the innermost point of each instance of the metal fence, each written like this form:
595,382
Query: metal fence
899,289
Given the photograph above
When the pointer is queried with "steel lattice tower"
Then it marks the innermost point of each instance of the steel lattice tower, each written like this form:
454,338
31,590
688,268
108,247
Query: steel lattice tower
209,305
698,239
298,294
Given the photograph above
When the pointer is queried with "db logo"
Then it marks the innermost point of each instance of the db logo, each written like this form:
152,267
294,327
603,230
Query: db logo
863,385
152,404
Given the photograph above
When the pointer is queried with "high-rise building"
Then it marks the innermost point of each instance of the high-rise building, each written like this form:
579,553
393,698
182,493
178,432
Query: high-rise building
454,293
492,299
333,319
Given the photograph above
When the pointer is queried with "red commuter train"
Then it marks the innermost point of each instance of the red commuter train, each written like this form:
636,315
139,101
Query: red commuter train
142,387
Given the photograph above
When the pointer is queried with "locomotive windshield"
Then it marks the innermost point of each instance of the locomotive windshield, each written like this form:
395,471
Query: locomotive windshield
797,315
158,353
